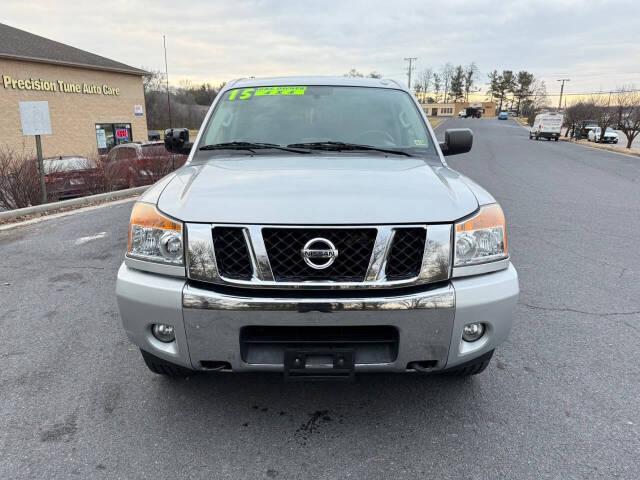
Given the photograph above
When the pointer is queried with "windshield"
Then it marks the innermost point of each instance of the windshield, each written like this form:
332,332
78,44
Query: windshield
378,117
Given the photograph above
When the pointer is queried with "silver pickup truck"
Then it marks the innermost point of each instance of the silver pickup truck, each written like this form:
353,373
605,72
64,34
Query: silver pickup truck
316,230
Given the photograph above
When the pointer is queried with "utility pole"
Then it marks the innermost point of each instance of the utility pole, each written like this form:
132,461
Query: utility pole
166,72
562,90
410,60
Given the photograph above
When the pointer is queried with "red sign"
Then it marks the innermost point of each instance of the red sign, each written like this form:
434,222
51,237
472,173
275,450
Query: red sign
122,133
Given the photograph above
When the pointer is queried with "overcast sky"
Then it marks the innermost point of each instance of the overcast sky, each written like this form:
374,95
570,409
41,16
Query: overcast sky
595,43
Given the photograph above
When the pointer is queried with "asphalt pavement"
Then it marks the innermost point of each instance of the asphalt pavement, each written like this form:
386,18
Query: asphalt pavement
560,399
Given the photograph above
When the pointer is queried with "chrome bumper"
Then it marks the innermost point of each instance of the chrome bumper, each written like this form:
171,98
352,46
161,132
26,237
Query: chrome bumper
208,323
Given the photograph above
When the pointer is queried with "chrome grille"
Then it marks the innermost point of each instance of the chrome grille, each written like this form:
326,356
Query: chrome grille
255,256
284,247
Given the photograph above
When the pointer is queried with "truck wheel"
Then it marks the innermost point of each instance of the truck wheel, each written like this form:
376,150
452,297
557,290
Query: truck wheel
162,367
555,139
474,367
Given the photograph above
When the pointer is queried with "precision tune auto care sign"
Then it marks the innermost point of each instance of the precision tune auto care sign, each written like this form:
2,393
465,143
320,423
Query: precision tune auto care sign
41,85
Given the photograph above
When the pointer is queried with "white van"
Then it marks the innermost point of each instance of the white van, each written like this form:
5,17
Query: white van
546,125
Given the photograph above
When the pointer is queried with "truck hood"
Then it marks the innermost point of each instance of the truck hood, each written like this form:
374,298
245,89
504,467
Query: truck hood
316,189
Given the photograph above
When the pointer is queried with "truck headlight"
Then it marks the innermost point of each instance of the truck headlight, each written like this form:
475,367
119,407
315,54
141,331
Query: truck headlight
154,236
481,238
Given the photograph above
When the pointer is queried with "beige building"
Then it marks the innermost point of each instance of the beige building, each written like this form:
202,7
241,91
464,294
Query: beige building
452,109
94,102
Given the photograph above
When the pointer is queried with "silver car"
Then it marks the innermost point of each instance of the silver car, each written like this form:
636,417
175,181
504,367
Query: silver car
316,230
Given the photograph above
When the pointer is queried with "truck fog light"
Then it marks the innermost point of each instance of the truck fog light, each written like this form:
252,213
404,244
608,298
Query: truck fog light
164,333
472,332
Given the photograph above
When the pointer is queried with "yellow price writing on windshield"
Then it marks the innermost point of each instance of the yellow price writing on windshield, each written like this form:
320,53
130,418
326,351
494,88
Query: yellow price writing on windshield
247,93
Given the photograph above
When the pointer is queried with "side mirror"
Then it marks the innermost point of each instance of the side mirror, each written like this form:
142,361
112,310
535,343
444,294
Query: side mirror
176,140
456,140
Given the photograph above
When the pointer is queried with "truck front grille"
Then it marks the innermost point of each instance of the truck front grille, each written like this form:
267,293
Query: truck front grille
231,252
405,257
284,247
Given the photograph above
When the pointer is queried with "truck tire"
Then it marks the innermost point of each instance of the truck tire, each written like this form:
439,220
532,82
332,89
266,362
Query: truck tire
162,367
555,139
474,367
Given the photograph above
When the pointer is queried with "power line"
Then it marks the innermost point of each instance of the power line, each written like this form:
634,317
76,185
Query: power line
410,60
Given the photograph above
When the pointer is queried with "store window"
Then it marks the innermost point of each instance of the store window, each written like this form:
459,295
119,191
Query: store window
108,135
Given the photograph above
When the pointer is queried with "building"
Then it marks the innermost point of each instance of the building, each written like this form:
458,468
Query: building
94,102
452,109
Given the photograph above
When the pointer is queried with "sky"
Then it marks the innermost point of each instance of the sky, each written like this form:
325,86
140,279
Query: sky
594,43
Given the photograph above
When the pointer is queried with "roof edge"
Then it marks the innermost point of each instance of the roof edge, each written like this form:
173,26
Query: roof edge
131,71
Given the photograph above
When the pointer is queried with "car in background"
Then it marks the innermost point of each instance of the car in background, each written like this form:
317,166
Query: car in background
153,136
503,116
609,135
134,164
546,125
71,176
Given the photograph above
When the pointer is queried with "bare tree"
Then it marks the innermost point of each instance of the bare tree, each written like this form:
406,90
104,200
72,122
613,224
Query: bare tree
425,80
578,116
446,73
628,113
374,74
603,114
470,73
437,83
353,73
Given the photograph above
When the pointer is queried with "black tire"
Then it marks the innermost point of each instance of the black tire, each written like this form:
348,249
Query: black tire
555,139
474,367
162,367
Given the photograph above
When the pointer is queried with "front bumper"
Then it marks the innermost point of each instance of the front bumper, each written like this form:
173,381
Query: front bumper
207,323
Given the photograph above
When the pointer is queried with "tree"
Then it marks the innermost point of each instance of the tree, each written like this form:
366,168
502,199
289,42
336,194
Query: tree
457,83
523,87
470,72
536,102
353,73
425,82
603,114
374,74
446,73
579,115
436,87
500,85
628,113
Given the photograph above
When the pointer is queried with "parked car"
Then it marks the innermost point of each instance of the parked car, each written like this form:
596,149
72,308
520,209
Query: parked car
546,125
609,135
133,164
317,231
71,176
152,135
503,116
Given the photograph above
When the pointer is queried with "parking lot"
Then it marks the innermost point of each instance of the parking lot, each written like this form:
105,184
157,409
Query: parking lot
560,399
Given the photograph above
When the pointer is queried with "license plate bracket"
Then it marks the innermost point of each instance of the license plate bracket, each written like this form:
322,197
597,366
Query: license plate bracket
317,364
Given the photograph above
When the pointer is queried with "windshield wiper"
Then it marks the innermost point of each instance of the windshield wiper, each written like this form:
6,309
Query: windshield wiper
339,146
250,146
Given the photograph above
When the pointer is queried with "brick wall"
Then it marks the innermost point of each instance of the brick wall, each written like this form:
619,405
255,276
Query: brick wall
73,115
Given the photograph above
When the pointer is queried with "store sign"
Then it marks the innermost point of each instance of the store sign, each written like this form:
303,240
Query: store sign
35,118
41,85
137,110
122,133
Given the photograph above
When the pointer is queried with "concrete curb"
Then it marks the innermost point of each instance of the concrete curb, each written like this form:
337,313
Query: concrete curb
74,202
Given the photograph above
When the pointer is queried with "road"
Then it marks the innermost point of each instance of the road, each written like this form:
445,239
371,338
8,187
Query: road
560,399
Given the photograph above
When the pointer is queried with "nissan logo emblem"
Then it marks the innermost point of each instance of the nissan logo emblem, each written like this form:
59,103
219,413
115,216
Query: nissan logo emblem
319,253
